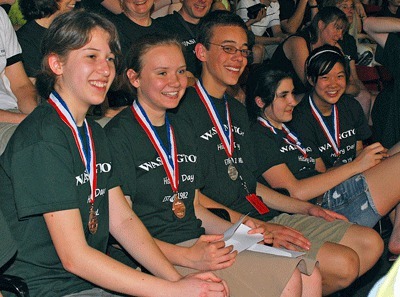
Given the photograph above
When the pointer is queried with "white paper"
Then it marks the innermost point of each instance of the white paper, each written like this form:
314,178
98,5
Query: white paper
237,236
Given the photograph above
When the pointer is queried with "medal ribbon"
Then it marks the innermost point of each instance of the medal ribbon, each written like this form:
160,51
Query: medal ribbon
332,136
290,138
226,137
88,156
169,158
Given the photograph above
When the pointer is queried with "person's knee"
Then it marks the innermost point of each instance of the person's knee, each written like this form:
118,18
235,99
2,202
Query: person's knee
294,286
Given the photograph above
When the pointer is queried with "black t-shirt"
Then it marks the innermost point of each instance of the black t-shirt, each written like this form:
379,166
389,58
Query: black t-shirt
129,31
43,172
217,183
175,25
353,127
30,37
386,109
144,179
272,150
288,8
349,46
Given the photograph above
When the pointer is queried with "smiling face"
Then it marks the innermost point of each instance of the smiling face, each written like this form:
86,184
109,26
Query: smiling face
347,6
221,69
281,109
137,7
193,10
329,88
330,33
162,81
85,75
66,5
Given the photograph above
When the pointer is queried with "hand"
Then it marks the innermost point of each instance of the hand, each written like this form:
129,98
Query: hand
261,14
287,237
209,253
370,156
326,214
359,8
201,285
257,228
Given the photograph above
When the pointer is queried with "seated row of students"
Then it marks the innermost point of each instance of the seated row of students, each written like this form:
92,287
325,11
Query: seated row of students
74,148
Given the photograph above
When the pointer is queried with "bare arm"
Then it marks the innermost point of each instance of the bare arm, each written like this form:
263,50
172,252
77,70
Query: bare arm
296,51
22,87
305,189
354,85
11,117
292,24
379,28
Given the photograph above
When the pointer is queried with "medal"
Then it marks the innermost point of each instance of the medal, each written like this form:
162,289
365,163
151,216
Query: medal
178,207
232,171
88,156
168,155
332,136
93,220
225,135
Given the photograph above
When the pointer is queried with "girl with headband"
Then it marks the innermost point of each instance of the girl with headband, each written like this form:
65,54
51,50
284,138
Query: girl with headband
326,131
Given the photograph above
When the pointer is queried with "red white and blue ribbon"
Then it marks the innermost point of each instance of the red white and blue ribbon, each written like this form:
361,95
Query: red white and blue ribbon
88,155
225,135
332,136
290,137
168,156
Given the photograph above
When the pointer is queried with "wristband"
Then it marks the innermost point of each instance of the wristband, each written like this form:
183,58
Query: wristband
313,6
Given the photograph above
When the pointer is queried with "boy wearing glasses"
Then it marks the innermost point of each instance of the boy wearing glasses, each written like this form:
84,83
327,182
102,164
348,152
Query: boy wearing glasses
227,161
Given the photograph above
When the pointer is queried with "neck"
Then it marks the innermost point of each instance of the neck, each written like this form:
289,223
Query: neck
78,110
187,17
324,107
212,86
46,22
156,117
275,124
142,20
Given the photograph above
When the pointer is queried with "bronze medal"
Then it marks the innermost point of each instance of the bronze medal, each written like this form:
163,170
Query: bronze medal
232,172
178,207
93,221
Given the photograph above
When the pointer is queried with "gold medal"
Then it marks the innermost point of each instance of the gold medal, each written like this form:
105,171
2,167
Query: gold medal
93,220
178,207
232,172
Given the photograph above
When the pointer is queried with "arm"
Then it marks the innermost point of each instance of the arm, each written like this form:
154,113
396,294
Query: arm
287,204
354,85
292,24
22,87
209,251
305,189
379,28
90,264
296,51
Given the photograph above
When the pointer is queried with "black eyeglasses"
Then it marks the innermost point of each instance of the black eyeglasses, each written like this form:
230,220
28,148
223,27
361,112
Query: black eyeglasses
230,49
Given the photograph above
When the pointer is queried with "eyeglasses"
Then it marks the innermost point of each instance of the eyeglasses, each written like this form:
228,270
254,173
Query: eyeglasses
230,49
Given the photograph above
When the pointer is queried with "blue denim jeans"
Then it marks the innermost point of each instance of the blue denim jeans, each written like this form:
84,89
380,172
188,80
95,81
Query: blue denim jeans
352,199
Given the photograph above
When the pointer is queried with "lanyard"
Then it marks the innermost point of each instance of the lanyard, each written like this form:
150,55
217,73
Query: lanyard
168,156
88,155
331,135
226,136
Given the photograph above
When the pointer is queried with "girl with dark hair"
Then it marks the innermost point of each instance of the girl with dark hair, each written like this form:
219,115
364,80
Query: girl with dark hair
59,193
327,27
39,14
327,129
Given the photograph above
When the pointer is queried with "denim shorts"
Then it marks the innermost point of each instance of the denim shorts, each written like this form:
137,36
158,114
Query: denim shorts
352,199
